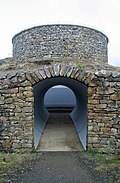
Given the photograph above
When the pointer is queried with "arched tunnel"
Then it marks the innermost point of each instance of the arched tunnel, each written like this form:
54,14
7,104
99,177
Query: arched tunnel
79,104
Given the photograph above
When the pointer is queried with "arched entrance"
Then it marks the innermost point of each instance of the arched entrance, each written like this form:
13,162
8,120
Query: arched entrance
78,115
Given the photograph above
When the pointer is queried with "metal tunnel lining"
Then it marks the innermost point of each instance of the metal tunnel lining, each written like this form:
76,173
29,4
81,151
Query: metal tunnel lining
78,115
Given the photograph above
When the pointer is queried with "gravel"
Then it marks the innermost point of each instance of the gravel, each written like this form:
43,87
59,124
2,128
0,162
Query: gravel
59,167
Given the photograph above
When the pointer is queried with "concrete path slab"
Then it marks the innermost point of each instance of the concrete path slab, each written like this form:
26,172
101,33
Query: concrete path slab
60,134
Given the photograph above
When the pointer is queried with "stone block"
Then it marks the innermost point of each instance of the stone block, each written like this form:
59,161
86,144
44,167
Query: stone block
103,73
115,97
27,109
8,158
101,106
16,145
28,94
90,101
91,91
6,144
114,131
109,91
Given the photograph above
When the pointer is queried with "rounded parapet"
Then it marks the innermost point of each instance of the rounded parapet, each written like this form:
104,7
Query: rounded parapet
50,41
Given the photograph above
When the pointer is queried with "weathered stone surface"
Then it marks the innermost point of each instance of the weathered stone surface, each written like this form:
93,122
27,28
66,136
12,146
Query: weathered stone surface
21,77
30,79
60,41
64,69
28,93
115,121
42,73
38,75
114,131
115,74
109,91
27,109
91,91
69,73
8,158
1,100
12,74
34,76
101,106
81,75
115,97
103,73
26,83
6,144
93,101
56,69
47,71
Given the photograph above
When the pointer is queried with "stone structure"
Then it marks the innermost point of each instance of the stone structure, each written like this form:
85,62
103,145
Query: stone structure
66,51
60,41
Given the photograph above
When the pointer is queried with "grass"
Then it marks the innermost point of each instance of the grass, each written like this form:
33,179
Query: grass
107,166
81,66
104,161
16,159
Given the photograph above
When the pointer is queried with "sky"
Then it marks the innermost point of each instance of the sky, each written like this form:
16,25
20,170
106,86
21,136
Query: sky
103,15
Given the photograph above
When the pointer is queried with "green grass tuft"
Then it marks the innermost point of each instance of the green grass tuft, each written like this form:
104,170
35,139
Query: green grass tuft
81,66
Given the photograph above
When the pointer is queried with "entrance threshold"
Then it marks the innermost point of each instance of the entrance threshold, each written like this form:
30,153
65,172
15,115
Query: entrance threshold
60,134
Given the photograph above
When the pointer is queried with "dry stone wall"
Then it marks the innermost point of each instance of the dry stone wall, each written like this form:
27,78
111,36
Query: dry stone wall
104,112
50,41
17,106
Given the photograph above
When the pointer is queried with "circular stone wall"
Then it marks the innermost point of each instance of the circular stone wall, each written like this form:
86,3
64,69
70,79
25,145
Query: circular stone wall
49,41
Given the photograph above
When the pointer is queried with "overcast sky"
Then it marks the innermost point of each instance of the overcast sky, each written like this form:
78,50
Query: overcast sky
17,15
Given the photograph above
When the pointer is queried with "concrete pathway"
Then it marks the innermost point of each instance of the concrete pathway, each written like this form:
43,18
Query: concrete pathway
60,134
